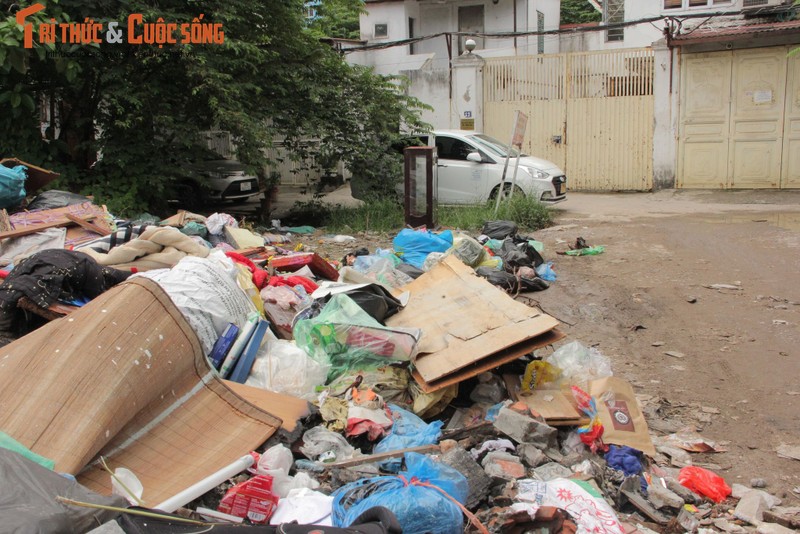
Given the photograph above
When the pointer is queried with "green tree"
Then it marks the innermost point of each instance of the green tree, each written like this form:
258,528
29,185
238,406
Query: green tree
578,11
337,18
146,108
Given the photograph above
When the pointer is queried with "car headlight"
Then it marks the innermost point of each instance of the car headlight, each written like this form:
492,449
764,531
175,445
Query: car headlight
536,173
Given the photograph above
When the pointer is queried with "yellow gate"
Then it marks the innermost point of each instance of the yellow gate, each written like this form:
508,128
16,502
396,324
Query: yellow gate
740,119
589,112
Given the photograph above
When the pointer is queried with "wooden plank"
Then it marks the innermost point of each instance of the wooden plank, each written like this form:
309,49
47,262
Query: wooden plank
34,228
285,407
369,458
84,223
487,364
554,406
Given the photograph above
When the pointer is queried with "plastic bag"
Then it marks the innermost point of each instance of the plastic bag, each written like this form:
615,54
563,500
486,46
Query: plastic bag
704,482
407,431
217,222
499,229
276,457
433,259
413,246
591,434
497,278
283,367
382,270
538,373
322,445
12,185
468,250
546,272
55,199
347,337
579,365
588,251
490,389
389,381
418,507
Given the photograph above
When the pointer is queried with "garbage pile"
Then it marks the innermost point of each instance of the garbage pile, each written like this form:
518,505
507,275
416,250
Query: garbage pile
222,375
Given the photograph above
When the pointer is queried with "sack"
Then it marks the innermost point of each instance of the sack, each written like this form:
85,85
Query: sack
419,509
12,185
499,229
468,250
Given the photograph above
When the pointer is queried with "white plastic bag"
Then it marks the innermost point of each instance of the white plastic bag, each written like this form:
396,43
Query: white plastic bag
321,444
277,457
579,365
283,367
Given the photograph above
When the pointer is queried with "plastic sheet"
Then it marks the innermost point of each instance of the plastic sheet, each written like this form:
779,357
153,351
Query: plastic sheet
381,269
407,431
546,272
499,229
413,246
54,198
412,496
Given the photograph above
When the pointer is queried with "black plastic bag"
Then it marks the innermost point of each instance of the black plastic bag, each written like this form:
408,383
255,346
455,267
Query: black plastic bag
498,278
410,270
375,300
499,229
55,199
516,255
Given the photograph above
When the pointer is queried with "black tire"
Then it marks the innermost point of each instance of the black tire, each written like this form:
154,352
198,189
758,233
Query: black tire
506,190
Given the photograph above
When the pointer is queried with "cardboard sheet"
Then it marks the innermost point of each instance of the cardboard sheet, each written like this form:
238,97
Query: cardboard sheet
466,322
125,377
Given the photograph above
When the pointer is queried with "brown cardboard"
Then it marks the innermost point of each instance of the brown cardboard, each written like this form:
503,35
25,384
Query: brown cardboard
466,320
623,422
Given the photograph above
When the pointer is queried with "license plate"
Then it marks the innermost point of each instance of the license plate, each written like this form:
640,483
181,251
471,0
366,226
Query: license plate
246,186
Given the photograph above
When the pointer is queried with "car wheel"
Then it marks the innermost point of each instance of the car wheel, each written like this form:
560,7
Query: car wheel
507,191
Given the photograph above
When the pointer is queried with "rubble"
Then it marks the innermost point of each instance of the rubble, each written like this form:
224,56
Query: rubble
431,393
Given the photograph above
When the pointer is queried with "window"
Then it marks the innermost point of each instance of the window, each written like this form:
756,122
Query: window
540,28
614,13
381,31
450,148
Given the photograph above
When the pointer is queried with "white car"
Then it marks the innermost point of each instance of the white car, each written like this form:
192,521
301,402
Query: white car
470,168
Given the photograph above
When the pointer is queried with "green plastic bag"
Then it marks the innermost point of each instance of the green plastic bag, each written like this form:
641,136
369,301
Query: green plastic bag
348,338
588,251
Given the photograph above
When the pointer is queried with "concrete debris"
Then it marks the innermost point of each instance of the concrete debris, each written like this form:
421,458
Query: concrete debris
551,471
773,528
479,482
661,497
524,429
751,508
503,465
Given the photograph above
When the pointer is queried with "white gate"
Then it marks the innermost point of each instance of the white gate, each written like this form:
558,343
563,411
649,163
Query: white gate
589,112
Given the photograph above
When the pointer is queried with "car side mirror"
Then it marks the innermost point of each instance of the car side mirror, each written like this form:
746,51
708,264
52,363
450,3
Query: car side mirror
474,156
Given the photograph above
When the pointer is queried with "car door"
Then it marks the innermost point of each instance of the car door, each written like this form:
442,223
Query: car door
460,181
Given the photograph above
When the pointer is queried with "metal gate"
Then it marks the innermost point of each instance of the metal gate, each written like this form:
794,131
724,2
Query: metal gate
589,112
740,119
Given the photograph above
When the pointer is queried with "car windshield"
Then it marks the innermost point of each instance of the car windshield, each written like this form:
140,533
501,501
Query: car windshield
492,145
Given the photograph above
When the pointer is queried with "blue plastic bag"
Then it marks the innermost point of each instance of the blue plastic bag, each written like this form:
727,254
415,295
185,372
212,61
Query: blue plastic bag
12,185
546,272
419,509
413,246
408,430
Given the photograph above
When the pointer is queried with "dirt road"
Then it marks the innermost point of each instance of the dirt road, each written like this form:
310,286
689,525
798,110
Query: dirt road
739,346
739,378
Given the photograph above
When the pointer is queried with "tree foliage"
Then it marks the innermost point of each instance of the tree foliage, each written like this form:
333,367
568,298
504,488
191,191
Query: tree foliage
578,11
145,109
338,18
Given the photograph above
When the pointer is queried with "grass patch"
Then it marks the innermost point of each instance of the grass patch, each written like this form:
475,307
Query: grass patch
387,215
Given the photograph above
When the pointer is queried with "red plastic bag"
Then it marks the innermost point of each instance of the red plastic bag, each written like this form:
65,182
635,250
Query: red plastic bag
704,482
252,499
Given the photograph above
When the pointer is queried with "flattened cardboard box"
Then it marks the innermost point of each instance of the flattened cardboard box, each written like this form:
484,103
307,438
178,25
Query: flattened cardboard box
469,326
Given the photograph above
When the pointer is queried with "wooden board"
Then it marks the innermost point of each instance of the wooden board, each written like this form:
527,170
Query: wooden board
465,319
30,222
289,409
554,405
37,176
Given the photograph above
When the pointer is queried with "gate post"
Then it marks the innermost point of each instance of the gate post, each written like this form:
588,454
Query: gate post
466,99
665,143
